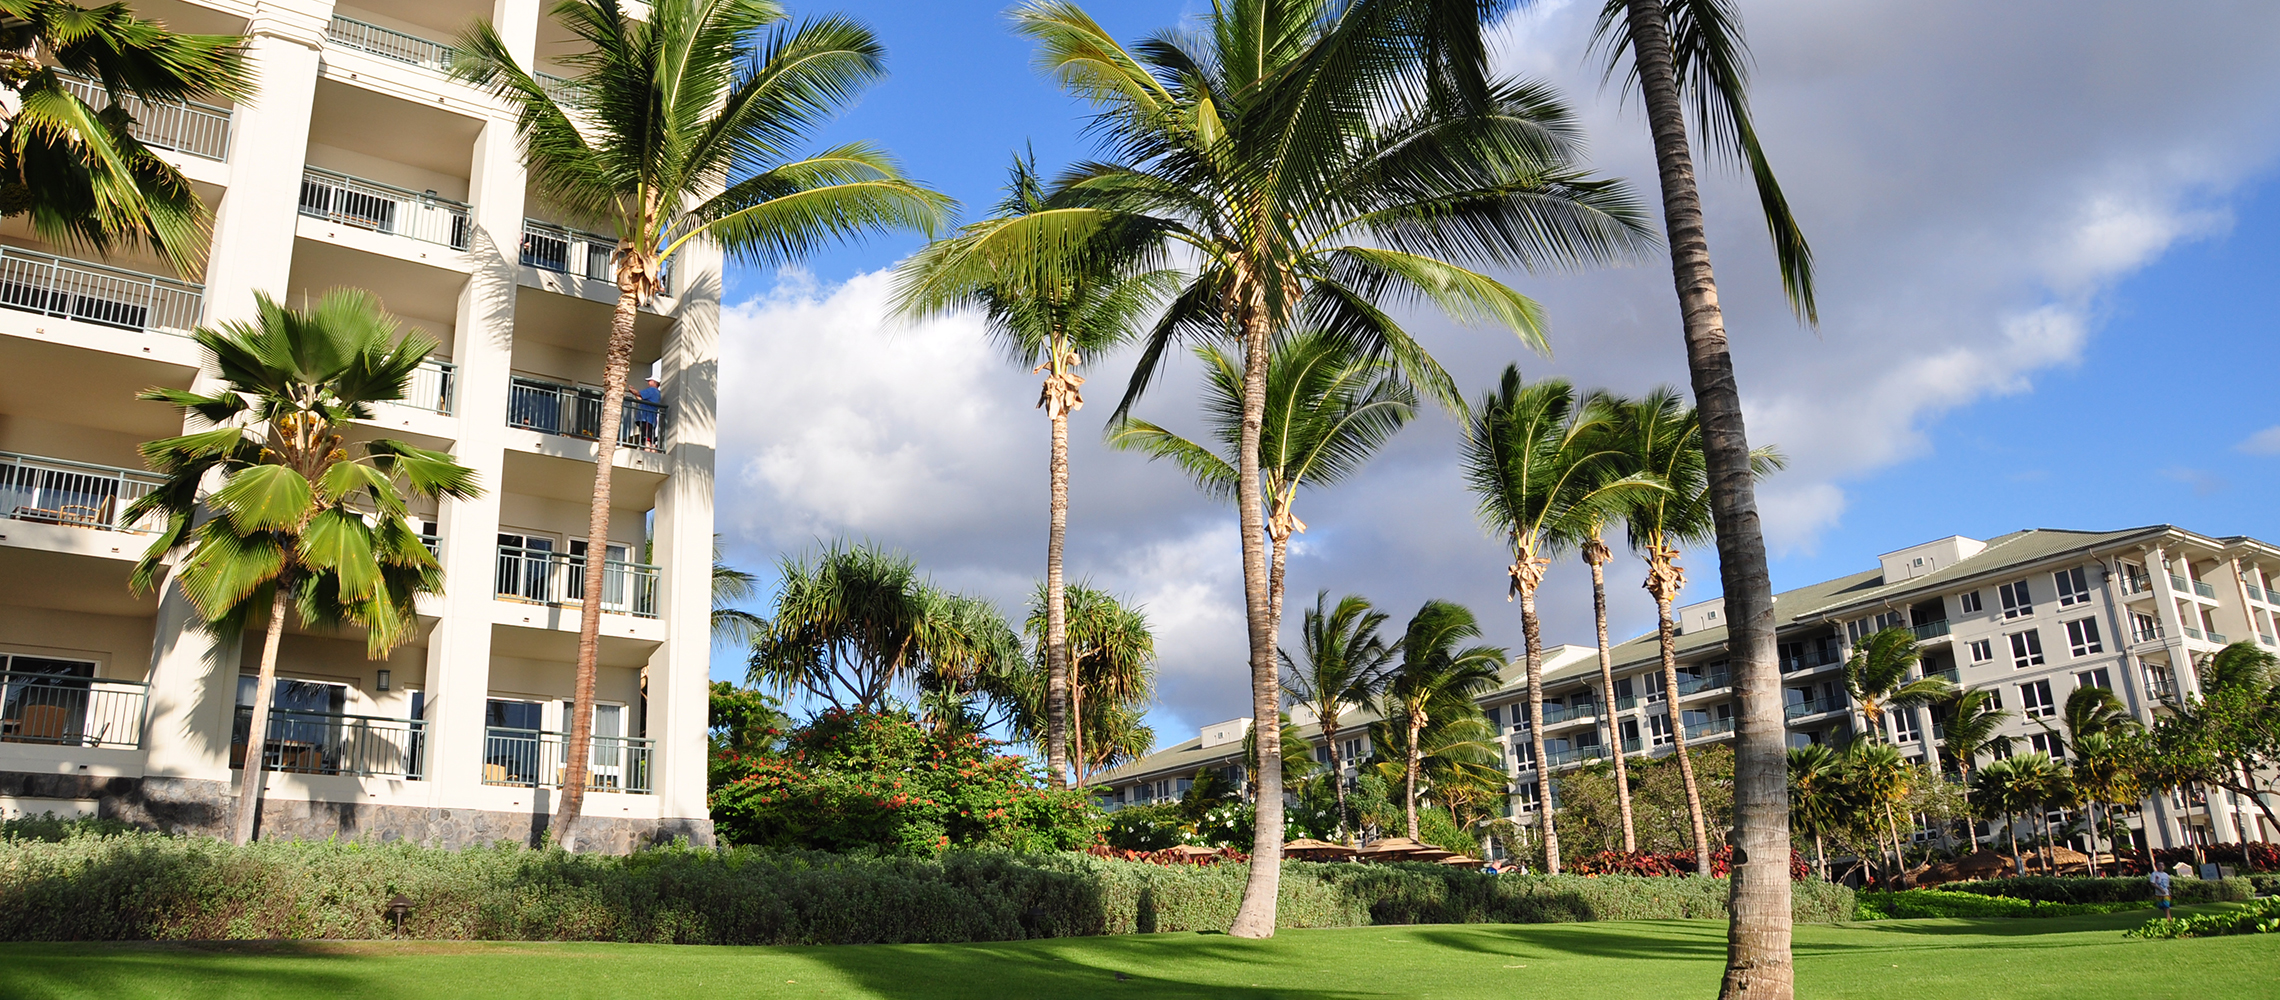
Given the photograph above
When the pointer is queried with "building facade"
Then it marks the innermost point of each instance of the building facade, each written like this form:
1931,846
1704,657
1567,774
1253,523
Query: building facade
358,162
2030,616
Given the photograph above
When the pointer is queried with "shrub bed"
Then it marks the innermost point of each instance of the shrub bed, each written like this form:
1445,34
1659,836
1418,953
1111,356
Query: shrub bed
2260,917
1919,903
2043,888
140,886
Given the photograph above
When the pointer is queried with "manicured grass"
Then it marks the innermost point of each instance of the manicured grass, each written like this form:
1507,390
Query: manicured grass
2069,957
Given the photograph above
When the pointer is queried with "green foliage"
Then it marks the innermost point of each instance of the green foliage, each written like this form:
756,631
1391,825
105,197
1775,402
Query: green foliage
1589,822
851,781
2259,917
1910,904
2047,889
741,723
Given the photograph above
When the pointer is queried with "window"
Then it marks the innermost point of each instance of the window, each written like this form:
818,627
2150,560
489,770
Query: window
2035,701
1982,650
2026,649
2082,637
2093,679
2015,600
1630,734
1622,689
1495,718
525,562
2048,744
2144,626
1322,753
1655,691
1970,602
1351,750
1995,698
1524,754
1904,726
2072,588
1658,730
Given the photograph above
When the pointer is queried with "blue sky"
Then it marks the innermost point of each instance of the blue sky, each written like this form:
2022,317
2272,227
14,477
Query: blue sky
2046,232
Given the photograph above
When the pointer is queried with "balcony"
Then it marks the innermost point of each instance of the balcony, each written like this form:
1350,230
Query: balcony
1631,745
550,247
1695,684
1807,660
529,758
1950,675
1801,709
1930,630
62,710
75,494
1554,714
361,746
177,126
432,386
2265,638
381,208
2254,594
2190,631
96,293
388,43
543,576
1575,755
1714,727
2204,589
576,411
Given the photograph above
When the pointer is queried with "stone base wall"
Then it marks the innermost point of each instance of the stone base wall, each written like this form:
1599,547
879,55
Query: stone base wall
198,806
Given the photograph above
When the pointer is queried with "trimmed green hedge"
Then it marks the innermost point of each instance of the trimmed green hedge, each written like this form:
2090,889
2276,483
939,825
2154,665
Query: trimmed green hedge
141,886
1919,903
2043,888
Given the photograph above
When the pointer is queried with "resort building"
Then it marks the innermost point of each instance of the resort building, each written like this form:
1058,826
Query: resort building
360,163
2029,616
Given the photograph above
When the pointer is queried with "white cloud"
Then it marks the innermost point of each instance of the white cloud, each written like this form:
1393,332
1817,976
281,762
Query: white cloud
2263,442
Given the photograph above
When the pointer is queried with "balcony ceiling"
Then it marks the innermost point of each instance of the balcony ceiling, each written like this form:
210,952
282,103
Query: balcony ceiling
425,295
446,17
632,492
583,325
416,135
190,17
102,387
558,646
67,582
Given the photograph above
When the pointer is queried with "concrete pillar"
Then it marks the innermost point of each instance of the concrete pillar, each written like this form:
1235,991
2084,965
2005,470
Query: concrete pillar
680,670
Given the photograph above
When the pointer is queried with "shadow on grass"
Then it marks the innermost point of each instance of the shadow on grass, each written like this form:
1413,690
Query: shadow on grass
219,969
1152,966
1676,940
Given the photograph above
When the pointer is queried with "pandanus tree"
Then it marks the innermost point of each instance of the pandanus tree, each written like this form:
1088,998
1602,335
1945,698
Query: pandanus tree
1053,321
1544,469
1660,436
678,126
74,171
303,517
1303,163
1436,677
1347,664
1691,52
1111,666
1876,677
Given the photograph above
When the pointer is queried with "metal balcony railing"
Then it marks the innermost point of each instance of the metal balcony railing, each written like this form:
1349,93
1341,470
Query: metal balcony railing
576,411
96,293
364,746
388,43
1931,630
54,491
557,87
434,383
180,126
543,576
549,247
530,758
71,711
1713,727
382,208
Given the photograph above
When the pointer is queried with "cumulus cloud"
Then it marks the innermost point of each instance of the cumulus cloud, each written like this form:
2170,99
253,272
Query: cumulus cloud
2263,442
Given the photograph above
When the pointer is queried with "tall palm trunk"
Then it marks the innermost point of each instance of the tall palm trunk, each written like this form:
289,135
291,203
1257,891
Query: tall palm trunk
1255,917
633,274
1527,574
1595,553
1076,731
2011,831
1663,580
1758,962
2091,808
1337,766
255,774
1413,763
1056,604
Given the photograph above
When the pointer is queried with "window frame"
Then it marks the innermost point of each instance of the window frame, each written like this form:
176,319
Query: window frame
2018,599
2082,637
2026,649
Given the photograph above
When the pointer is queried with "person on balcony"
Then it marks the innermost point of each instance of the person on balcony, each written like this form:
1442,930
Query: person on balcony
645,417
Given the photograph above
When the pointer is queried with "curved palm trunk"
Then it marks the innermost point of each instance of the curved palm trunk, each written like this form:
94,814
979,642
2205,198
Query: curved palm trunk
576,750
1662,579
1531,633
1056,607
1255,917
256,771
1596,555
1758,962
1414,764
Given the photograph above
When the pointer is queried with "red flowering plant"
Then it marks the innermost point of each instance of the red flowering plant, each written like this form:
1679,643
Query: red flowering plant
857,781
1672,863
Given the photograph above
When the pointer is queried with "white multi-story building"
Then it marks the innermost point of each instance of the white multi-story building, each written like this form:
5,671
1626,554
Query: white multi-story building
359,163
2030,616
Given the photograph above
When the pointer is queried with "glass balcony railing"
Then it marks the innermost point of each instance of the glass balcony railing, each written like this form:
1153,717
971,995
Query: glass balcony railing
1697,683
383,208
1810,706
74,711
97,293
1631,745
1575,755
1557,713
388,43
543,576
2203,588
75,494
1807,660
1931,630
364,746
1714,727
180,126
534,759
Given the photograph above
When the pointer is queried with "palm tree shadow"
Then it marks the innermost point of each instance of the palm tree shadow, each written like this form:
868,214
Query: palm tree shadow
1663,941
1138,965
37,972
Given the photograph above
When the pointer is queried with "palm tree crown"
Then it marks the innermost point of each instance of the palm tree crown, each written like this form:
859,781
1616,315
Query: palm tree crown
1347,664
1435,679
1877,677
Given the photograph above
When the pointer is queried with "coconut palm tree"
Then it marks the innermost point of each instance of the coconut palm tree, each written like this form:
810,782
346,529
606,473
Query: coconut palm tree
302,517
75,172
1660,436
1459,766
1305,162
1545,469
1434,678
1878,777
1112,661
1821,800
1328,409
1347,664
1877,679
673,129
1683,51
2102,777
729,586
1087,309
2002,788
2048,786
1972,727
1592,547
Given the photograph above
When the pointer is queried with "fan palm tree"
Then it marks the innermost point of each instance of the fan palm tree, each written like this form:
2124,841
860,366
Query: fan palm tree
1821,800
1692,50
1660,436
1085,311
75,172
301,516
1434,678
1112,656
1545,470
1308,161
1877,679
672,129
1328,409
1347,664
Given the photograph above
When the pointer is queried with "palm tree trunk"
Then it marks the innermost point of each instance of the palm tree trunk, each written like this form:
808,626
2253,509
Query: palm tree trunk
2092,809
1415,762
1276,553
1820,857
1668,633
1076,734
1056,609
1255,917
1758,962
2011,831
1337,769
576,752
1531,633
1596,554
256,771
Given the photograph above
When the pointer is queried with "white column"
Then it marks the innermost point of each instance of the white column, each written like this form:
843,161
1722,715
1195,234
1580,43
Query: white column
680,670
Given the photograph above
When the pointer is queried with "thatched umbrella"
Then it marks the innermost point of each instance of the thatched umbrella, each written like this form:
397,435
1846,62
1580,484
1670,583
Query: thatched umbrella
1310,849
1391,849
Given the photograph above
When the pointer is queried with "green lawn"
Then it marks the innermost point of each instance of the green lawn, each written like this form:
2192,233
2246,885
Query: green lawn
2074,958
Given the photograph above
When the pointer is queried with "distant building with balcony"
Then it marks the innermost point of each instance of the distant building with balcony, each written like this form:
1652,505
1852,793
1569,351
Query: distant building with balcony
360,163
2029,616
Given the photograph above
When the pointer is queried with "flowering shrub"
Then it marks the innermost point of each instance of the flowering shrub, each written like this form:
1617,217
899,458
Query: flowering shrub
860,781
2259,917
2262,856
1672,863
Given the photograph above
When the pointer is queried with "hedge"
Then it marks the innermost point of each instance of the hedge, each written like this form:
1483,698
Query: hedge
142,886
1919,903
2043,888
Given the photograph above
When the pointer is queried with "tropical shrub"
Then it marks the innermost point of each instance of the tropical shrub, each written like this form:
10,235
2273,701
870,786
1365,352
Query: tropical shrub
1648,863
1920,903
2043,888
2260,917
856,781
